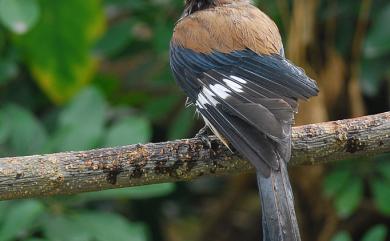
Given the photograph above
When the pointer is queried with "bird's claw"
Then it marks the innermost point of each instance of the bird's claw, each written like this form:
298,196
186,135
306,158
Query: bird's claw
203,135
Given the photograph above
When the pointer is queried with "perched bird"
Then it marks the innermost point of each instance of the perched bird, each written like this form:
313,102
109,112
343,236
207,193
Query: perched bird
228,58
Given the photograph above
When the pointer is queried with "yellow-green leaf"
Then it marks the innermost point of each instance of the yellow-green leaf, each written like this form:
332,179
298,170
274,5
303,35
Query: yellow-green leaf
58,48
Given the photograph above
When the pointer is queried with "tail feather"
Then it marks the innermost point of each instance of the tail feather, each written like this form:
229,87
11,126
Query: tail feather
279,219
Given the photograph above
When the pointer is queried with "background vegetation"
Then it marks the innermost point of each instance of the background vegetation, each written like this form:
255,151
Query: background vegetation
84,74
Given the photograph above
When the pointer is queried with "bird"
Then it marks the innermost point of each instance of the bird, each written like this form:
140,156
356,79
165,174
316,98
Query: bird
228,58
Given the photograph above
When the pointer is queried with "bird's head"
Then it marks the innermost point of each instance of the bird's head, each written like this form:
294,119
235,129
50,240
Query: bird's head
192,6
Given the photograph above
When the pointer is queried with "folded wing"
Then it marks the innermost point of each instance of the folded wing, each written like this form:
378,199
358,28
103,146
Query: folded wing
247,98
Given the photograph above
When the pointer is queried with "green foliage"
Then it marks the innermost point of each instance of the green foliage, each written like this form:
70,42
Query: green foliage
97,226
345,185
81,123
106,63
19,16
342,236
19,218
377,42
376,53
182,124
346,189
143,192
129,130
24,132
8,70
60,60
377,233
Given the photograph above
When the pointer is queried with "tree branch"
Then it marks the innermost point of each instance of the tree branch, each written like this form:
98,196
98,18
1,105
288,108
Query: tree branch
134,165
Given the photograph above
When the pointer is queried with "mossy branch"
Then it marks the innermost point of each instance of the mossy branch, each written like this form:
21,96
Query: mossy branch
135,165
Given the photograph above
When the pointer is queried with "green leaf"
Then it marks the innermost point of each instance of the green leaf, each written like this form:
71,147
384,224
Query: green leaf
348,200
373,73
130,130
378,38
157,108
19,16
4,126
8,70
4,205
182,124
381,190
116,38
163,30
342,236
384,166
109,226
35,239
377,233
58,49
20,217
87,107
81,123
144,192
27,135
62,228
335,181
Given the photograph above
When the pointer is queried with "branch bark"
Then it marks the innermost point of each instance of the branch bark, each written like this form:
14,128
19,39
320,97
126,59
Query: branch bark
134,165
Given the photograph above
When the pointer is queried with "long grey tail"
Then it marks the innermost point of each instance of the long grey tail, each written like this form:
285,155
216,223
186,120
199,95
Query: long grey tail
279,219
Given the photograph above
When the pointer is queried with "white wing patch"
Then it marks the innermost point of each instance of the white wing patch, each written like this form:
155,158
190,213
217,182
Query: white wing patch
220,90
242,81
233,85
206,97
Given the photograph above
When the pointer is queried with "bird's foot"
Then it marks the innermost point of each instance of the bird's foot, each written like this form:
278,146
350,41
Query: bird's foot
203,135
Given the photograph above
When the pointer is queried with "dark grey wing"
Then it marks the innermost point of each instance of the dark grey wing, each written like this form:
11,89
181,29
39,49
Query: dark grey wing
247,98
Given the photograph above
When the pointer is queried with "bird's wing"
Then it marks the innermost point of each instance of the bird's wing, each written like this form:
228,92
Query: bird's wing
229,62
247,98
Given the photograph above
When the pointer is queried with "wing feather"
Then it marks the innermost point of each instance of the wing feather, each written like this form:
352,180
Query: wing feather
246,98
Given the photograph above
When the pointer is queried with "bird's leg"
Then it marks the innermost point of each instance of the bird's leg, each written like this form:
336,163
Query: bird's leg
203,135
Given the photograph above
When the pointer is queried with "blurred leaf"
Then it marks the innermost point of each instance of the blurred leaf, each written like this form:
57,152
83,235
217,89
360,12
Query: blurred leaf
26,133
377,233
378,39
81,123
384,166
116,38
182,124
335,181
381,190
34,239
109,226
130,130
4,126
133,5
20,217
373,73
342,236
163,31
4,205
348,200
88,107
157,108
8,70
60,228
143,192
19,15
58,49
